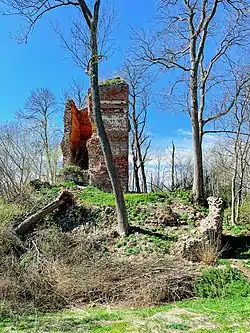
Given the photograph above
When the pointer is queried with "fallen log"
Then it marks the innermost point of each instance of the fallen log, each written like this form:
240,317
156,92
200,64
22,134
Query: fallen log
65,198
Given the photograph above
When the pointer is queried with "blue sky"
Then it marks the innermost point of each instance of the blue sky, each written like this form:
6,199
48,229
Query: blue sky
43,63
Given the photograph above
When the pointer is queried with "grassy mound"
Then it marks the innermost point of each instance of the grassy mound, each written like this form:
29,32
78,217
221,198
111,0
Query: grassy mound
55,267
92,196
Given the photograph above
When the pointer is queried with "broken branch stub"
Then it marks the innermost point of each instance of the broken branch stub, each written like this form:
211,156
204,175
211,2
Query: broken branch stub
65,198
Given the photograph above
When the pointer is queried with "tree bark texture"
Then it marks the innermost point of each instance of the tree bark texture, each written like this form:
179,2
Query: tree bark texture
105,145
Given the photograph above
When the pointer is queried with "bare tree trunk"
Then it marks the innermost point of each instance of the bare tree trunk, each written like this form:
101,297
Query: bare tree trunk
173,167
239,193
233,195
238,205
235,174
105,145
141,163
47,152
139,102
137,150
136,178
151,182
198,181
144,179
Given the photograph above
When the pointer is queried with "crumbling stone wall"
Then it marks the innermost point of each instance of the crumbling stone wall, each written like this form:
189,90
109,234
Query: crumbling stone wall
207,237
211,226
81,144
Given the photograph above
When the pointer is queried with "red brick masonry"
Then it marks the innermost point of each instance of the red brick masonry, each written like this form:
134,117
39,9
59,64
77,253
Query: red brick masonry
80,138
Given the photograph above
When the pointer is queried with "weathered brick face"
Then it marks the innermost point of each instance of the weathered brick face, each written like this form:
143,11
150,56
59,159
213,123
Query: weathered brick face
114,105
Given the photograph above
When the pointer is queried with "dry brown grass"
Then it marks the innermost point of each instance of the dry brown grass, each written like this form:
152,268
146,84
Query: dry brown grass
210,250
54,270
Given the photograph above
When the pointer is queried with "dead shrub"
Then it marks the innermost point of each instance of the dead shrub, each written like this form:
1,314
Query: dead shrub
210,250
59,270
146,282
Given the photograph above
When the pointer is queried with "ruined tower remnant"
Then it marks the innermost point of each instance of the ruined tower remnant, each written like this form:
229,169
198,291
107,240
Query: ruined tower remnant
81,146
206,242
77,130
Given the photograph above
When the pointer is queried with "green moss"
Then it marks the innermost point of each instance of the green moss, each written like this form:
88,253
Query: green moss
115,80
70,169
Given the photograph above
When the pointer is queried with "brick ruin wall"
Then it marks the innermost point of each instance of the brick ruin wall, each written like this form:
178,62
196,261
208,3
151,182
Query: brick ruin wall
81,145
77,131
114,105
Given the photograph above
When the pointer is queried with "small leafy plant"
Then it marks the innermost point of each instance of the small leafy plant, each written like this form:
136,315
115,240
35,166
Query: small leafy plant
137,243
222,282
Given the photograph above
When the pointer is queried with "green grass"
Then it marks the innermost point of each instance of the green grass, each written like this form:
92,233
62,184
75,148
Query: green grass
198,315
8,211
93,196
237,230
223,282
245,212
137,243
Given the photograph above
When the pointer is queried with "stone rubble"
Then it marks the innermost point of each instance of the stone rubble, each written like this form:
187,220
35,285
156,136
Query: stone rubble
207,236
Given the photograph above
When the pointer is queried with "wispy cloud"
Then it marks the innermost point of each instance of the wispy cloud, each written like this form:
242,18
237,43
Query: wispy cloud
182,141
183,132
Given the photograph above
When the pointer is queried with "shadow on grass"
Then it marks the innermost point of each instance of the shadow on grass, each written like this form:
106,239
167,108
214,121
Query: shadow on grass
238,247
148,232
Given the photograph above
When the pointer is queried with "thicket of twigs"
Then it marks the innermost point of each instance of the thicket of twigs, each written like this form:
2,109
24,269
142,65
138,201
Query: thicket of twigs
52,270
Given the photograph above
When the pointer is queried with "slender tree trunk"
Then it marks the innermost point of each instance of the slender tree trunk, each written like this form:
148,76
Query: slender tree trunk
141,163
173,167
105,145
136,143
151,183
234,177
198,181
233,186
133,181
136,178
135,163
238,204
144,178
47,152
239,194
233,195
51,173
